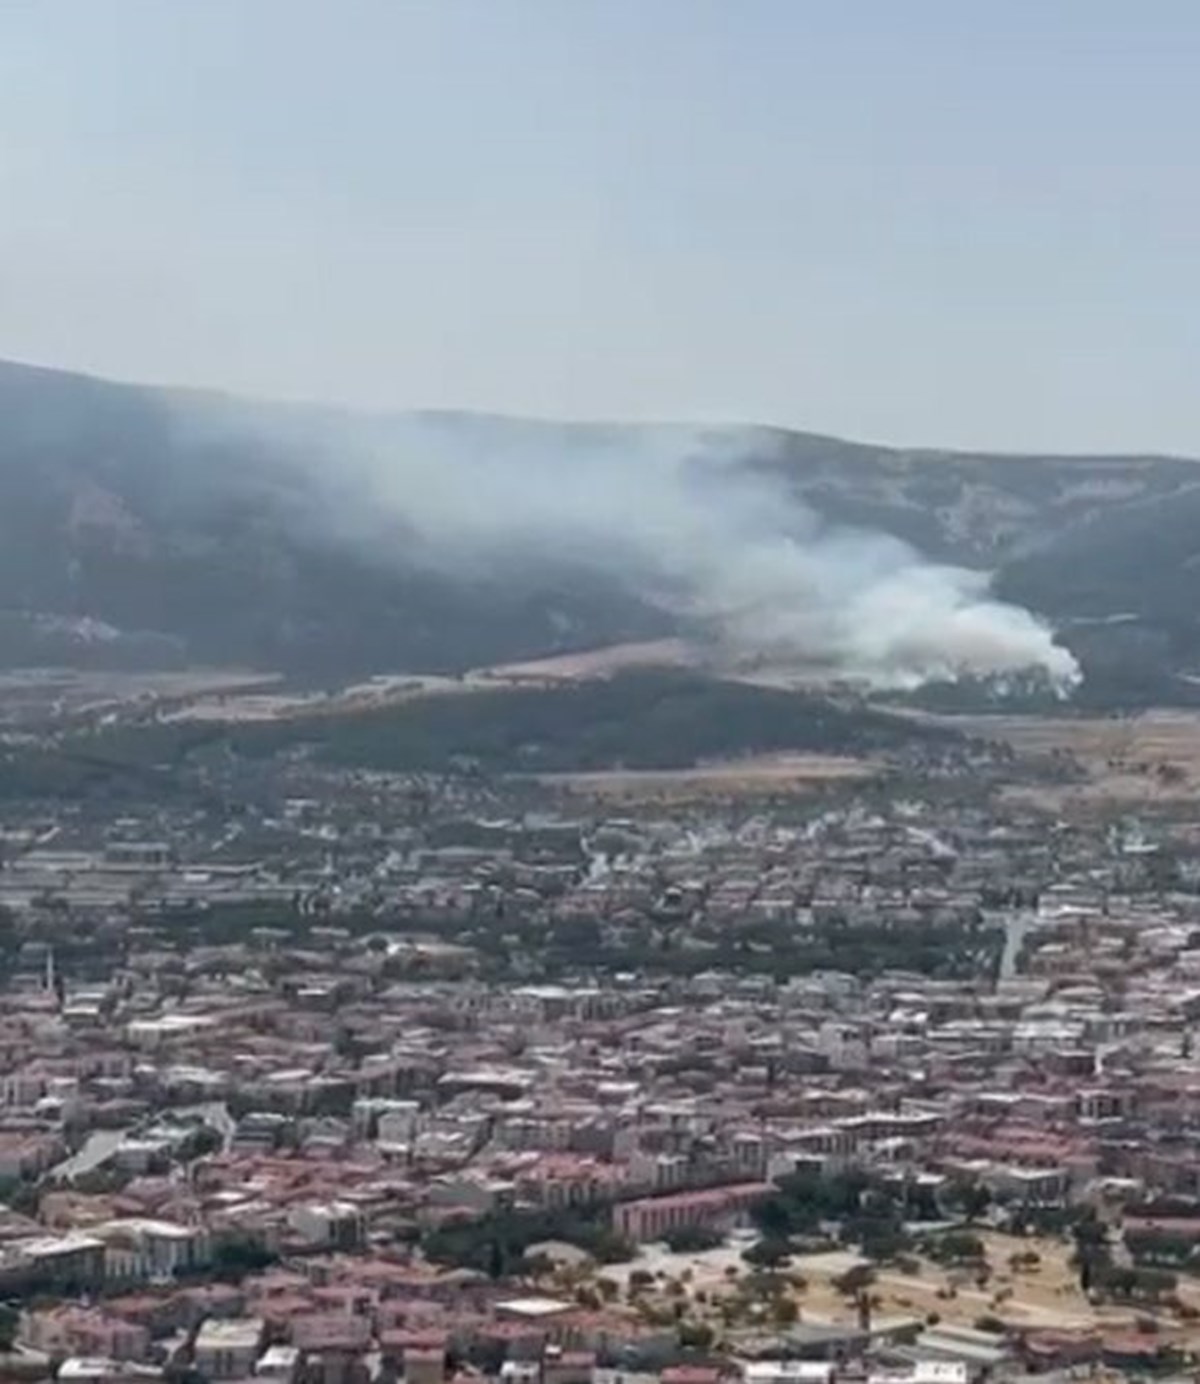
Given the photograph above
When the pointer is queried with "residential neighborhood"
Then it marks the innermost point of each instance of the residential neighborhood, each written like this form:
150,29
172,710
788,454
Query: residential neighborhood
383,1077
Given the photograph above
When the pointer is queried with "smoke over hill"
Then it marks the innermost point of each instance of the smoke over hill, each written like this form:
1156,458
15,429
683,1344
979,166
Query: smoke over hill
677,518
157,526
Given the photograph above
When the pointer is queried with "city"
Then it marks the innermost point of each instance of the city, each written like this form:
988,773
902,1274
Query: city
395,1075
599,692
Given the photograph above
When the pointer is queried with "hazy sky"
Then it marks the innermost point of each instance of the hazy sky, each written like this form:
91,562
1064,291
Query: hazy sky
965,222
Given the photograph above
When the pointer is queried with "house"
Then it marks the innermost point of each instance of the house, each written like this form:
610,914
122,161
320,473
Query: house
336,1224
140,1248
71,1330
228,1349
652,1217
424,1365
62,1261
278,1364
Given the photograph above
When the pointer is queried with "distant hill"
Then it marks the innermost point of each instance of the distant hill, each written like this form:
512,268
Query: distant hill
647,719
126,539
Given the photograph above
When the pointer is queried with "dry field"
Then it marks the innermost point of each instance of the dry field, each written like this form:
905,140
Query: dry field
246,695
34,693
769,773
1150,757
1044,1298
1150,735
364,696
592,663
391,689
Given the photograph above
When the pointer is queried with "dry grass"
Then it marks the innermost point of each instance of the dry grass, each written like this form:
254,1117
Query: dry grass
1046,1298
31,694
754,774
593,663
392,689
1150,757
1150,735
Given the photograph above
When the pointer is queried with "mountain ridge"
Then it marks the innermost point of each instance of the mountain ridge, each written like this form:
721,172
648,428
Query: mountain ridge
125,536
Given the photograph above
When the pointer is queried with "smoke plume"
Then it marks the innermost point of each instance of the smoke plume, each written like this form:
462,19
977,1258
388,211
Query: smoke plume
676,517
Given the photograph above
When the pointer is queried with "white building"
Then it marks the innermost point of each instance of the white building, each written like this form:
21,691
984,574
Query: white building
229,1349
140,1248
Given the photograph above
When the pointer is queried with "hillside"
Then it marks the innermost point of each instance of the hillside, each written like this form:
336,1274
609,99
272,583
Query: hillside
131,538
128,540
646,719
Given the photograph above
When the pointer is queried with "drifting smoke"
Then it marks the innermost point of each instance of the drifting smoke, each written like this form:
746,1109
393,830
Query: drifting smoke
677,518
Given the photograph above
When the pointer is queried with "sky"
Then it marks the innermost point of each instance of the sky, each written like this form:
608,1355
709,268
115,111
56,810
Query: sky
968,223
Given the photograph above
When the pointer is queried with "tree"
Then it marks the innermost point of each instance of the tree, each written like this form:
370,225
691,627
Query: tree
348,1046
880,1238
956,1247
1089,1232
1144,1284
236,1256
695,1335
785,1312
970,1197
205,1140
495,1244
774,1217
20,1196
691,1239
854,1280
1092,1252
1159,1246
767,1254
10,1320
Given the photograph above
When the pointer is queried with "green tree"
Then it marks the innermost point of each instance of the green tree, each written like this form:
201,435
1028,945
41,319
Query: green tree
692,1239
237,1256
785,1312
767,1254
854,1280
956,1247
202,1143
970,1197
695,1335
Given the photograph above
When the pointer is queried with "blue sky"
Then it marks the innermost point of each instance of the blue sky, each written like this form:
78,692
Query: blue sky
949,222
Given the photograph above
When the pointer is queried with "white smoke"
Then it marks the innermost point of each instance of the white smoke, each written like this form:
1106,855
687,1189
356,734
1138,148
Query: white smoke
679,518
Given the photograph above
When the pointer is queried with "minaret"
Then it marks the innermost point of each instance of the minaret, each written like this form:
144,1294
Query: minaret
51,979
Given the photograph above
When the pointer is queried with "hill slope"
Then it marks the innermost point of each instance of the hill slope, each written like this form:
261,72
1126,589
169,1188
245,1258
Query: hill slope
155,527
126,538
653,719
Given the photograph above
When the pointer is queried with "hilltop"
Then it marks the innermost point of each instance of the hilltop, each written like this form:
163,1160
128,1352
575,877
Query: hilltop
130,539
